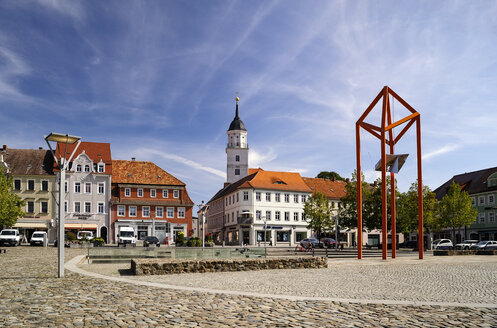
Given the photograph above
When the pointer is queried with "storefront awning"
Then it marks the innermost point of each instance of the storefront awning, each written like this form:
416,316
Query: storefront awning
81,226
28,225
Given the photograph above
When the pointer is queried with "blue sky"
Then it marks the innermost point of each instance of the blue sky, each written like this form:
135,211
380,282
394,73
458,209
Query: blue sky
157,79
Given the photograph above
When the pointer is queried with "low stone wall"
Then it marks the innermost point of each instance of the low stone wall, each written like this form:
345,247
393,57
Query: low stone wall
170,266
443,252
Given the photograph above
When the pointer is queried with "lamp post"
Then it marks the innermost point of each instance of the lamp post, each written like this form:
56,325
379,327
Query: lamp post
264,230
62,164
202,208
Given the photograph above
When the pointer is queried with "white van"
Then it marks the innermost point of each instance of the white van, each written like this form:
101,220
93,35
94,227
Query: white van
38,238
126,236
85,234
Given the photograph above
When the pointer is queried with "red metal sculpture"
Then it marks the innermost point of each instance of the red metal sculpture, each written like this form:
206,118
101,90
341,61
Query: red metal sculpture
381,133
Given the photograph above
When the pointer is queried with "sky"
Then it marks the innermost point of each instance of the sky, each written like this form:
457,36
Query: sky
158,80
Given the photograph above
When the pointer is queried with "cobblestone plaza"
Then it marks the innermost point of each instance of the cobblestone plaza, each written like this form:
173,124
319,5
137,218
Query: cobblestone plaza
435,292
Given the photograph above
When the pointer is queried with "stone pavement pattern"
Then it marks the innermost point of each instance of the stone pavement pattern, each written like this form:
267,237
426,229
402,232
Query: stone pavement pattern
32,296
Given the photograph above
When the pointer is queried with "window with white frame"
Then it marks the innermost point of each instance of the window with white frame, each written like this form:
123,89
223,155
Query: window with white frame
159,211
295,198
77,207
481,200
127,192
170,212
287,216
44,185
304,198
87,207
229,200
101,168
277,197
277,215
66,186
258,215
31,184
44,207
87,187
140,192
237,197
181,212
101,208
132,211
175,193
491,199
295,216
121,210
491,217
268,215
30,207
237,171
237,158
77,187
78,168
65,206
87,168
268,197
481,218
245,195
165,193
17,184
152,193
287,198
101,188
258,196
145,211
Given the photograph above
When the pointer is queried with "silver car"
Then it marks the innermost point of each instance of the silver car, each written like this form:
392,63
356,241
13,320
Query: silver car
484,244
466,244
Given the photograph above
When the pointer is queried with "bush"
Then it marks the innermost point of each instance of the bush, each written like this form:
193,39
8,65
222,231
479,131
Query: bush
70,236
180,239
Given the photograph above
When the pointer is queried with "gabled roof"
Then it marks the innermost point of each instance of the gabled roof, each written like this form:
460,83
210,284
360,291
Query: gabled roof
29,161
250,171
138,172
332,189
95,150
471,182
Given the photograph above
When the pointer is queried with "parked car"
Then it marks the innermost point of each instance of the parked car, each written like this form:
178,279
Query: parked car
329,242
151,240
85,235
442,244
311,242
37,238
492,246
484,244
466,244
10,237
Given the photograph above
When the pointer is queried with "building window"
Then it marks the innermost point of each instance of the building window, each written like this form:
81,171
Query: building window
229,200
268,215
101,208
277,197
88,188
237,171
44,207
490,199
226,201
132,211
66,186
87,207
65,206
481,218
295,216
101,168
170,212
295,198
491,217
268,197
101,188
140,192
481,200
258,215
78,168
282,236
165,193
121,210
237,158
277,215
30,207
152,193
44,185
17,184
77,207
31,184
473,202
287,198
175,193
304,198
245,195
146,211
159,212
287,216
87,168
237,197
181,212
77,187
258,196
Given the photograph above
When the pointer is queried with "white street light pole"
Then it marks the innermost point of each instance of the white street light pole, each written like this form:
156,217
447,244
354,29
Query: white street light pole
265,230
62,163
202,207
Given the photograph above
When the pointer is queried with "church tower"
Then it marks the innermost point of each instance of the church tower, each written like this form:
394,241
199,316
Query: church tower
237,149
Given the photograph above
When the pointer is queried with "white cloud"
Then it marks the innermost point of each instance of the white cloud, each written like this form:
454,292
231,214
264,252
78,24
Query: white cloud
445,149
70,8
258,159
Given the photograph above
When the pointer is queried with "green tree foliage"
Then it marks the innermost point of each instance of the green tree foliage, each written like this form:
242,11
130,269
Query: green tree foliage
330,175
455,209
317,210
407,210
10,204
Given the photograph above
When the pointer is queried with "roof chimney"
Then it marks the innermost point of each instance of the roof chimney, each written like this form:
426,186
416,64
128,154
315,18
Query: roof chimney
40,148
4,148
133,159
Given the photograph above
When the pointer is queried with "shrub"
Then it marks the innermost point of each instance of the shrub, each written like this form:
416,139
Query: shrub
180,239
70,236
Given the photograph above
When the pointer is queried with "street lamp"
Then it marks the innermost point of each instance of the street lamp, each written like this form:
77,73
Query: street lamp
202,208
62,164
264,230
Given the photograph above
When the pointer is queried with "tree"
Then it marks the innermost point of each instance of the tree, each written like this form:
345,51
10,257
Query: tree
347,210
455,209
317,210
10,204
330,175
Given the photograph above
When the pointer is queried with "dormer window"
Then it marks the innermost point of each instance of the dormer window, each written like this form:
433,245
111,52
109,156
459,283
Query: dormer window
101,168
87,168
78,168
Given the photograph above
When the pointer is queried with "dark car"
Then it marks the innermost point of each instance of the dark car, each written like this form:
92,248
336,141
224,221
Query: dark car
311,242
151,240
329,242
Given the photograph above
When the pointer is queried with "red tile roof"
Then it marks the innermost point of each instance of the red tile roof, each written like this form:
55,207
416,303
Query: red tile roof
29,161
138,172
277,181
95,150
332,189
